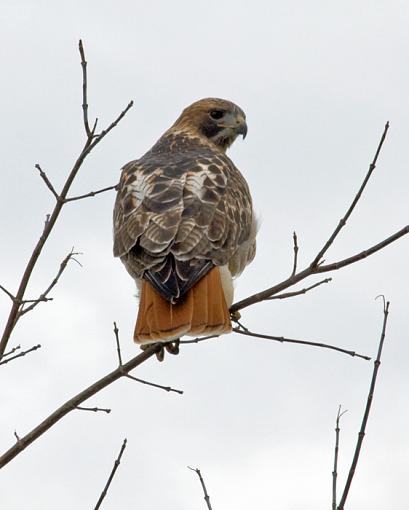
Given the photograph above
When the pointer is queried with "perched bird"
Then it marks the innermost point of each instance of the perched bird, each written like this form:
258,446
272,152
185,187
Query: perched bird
184,225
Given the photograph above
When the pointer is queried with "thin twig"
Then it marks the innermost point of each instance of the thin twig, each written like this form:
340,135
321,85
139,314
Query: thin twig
10,295
84,90
343,220
47,181
94,409
14,349
46,223
365,253
43,297
241,326
98,138
111,476
295,253
335,471
94,127
118,346
166,388
206,495
302,342
199,339
361,434
299,292
142,381
40,299
90,194
23,353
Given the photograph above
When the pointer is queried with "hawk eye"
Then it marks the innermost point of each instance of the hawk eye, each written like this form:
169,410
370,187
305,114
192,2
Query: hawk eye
216,114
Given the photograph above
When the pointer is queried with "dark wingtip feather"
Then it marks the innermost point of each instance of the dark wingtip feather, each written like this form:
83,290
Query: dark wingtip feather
176,277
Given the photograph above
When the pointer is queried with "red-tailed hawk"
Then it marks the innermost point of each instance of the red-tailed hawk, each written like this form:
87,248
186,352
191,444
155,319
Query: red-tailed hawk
184,224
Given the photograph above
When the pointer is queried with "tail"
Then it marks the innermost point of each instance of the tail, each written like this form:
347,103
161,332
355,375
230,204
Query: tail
201,311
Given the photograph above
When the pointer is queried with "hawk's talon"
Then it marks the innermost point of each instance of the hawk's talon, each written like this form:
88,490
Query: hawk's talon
235,316
173,347
161,354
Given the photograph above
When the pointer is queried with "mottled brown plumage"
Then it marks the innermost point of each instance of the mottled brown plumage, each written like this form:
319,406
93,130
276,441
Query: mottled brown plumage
184,208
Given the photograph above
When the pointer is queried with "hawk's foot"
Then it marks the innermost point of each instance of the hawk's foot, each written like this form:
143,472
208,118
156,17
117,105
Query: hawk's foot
160,354
235,316
171,347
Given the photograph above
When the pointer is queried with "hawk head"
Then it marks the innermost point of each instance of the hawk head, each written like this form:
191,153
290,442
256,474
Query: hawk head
217,120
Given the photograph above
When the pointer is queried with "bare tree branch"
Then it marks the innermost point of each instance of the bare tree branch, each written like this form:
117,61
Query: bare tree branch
361,434
241,326
317,267
47,181
206,495
118,347
14,349
242,330
90,194
289,282
335,471
98,138
343,221
40,299
142,381
74,402
199,339
365,253
111,476
90,143
21,354
46,223
295,254
84,89
9,294
43,297
299,292
94,409
302,342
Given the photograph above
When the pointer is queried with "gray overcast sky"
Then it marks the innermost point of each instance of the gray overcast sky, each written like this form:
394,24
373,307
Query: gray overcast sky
317,80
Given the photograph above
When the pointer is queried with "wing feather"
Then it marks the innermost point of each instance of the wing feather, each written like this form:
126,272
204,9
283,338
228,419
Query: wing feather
187,203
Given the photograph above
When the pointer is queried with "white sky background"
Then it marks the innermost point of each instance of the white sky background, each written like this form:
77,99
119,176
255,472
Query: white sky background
318,80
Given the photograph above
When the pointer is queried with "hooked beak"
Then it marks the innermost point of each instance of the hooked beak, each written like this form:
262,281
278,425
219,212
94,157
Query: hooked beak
236,124
240,126
242,129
